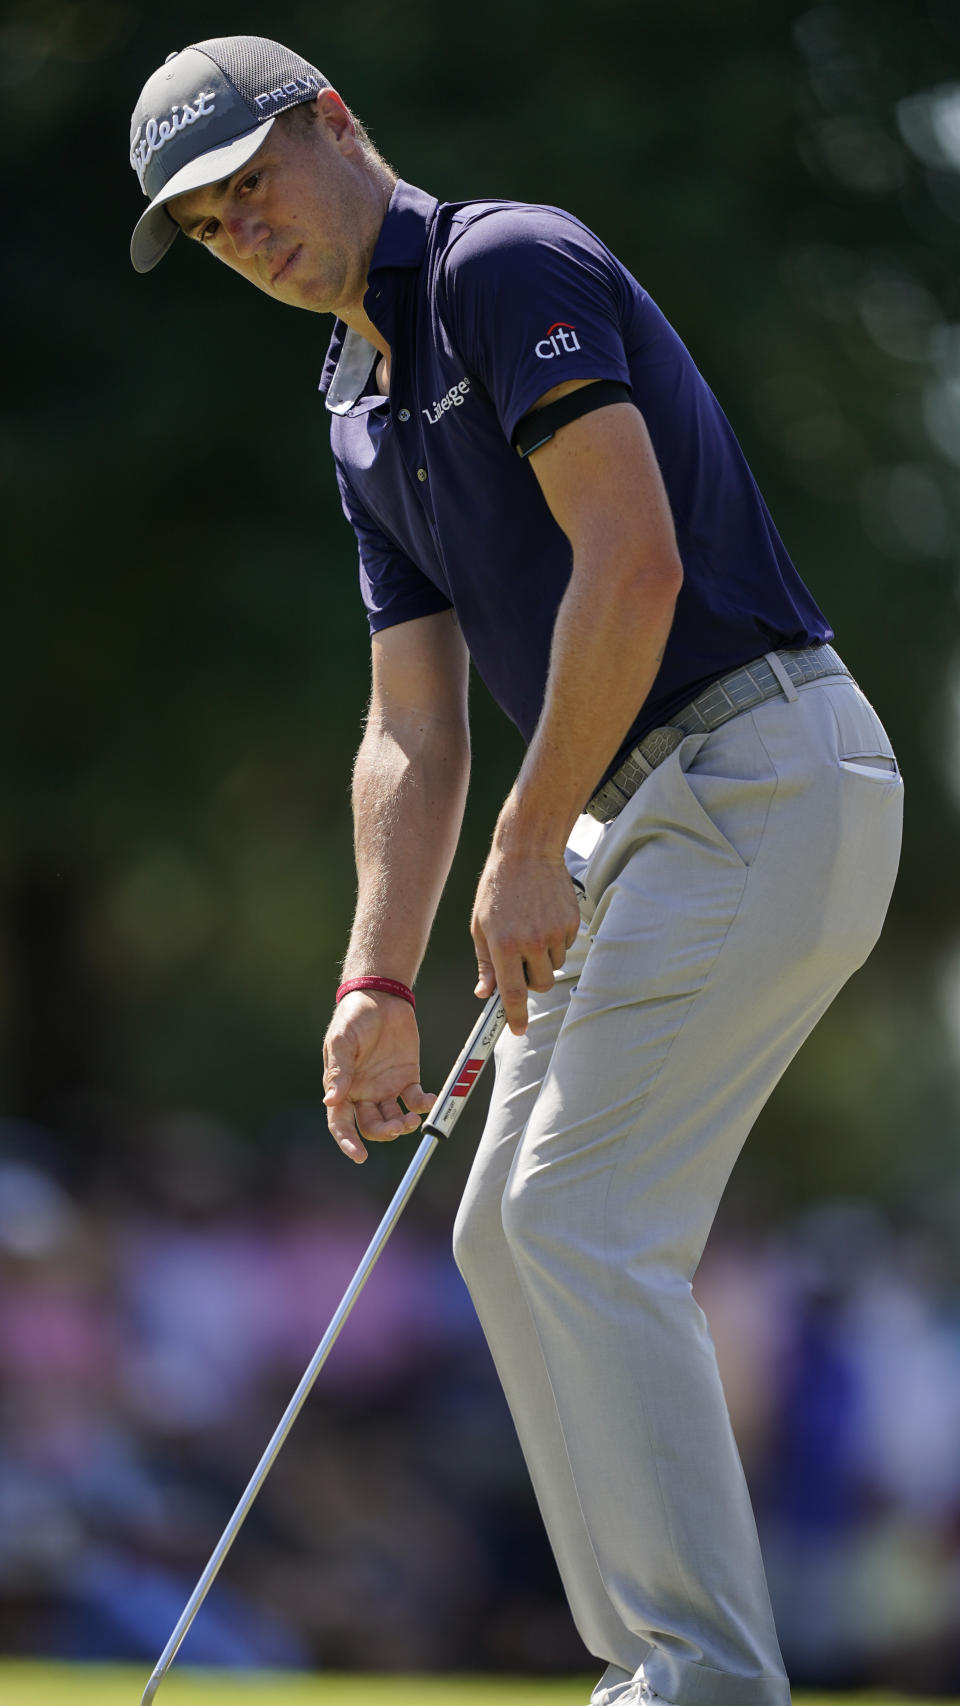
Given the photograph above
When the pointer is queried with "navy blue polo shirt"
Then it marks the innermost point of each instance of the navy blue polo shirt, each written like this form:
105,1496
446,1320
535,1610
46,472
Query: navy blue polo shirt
485,306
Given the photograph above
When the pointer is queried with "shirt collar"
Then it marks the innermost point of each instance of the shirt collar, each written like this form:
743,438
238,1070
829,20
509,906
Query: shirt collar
351,371
401,246
403,235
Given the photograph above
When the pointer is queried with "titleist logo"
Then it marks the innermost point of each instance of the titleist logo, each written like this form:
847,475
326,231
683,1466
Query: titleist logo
156,133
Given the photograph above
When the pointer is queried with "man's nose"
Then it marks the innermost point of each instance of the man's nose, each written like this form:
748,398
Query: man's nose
246,232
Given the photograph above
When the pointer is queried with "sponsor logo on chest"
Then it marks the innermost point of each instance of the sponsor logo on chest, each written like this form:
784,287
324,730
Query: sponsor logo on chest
453,400
561,339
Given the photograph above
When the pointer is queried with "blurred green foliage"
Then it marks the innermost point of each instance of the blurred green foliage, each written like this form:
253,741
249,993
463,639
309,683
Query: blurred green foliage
187,655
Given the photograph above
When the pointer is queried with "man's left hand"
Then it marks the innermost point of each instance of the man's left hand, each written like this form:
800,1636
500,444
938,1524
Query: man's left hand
525,917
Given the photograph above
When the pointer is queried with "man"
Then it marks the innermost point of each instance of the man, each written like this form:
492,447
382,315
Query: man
698,850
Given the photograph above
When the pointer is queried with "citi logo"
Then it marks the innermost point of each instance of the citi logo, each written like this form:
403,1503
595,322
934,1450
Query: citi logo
560,340
452,400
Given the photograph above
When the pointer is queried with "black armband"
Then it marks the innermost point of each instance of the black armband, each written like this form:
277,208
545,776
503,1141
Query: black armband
540,425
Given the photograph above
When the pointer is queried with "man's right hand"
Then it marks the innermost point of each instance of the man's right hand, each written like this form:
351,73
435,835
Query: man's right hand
371,1059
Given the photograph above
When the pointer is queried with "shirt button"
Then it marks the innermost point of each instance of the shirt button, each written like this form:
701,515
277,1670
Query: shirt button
421,474
403,414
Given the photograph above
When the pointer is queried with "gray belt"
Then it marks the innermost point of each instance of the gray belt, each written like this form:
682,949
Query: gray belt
726,698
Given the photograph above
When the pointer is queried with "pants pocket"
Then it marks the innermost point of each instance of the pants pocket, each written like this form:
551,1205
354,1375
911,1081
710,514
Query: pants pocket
876,769
731,782
863,745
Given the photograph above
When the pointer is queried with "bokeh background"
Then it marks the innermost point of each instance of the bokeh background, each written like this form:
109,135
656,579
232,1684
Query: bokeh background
185,669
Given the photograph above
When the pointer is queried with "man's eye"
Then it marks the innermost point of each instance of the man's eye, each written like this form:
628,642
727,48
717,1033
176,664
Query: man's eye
209,230
249,183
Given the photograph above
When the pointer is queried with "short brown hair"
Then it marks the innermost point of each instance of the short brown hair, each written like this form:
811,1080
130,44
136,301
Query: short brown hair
302,115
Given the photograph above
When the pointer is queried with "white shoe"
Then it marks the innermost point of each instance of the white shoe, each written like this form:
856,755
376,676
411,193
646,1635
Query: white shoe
636,1691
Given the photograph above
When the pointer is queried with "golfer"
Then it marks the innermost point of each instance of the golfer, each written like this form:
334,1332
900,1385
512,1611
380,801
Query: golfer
698,850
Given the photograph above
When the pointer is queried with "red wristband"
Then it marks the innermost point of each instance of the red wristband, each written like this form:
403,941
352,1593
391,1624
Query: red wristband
383,986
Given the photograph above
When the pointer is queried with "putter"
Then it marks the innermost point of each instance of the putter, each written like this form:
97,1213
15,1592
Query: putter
441,1120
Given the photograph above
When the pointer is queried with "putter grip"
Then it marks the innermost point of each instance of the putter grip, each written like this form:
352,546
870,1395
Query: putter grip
476,1051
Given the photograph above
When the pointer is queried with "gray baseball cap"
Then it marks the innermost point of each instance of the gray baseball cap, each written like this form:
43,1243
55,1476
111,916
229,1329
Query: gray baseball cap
201,117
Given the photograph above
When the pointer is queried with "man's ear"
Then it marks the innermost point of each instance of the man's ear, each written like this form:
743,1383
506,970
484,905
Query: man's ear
328,108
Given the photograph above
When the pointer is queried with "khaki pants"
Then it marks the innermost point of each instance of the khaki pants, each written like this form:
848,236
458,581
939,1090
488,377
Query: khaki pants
723,910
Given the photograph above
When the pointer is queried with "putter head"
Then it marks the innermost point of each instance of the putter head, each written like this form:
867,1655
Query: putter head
152,1687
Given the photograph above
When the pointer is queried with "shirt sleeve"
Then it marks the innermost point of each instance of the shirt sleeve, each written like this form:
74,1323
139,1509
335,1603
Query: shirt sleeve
534,299
394,590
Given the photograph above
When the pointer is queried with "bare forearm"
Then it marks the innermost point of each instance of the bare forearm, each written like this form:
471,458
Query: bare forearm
600,477
409,789
607,647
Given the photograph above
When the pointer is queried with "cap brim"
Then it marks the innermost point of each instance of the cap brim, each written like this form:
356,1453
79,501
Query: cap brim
156,229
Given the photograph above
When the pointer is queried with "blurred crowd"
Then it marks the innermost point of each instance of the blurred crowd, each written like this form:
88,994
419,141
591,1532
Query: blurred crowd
156,1317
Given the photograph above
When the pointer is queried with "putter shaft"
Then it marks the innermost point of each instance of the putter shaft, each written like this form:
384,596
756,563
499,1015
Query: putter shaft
443,1117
